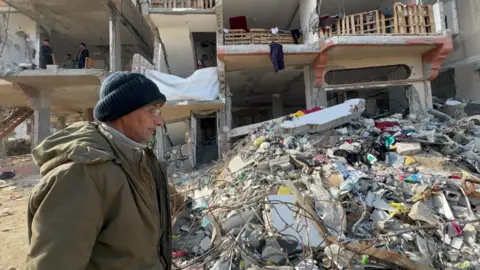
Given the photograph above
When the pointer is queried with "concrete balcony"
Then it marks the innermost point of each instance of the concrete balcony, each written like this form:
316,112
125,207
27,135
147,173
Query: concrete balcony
397,20
411,35
182,6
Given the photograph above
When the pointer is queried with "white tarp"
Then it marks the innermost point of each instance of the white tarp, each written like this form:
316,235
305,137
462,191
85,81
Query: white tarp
202,85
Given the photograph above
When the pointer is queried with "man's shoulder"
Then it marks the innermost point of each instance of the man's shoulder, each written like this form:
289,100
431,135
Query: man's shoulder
100,173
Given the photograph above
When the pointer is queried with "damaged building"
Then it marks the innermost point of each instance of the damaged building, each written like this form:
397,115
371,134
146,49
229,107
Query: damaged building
258,66
113,32
385,52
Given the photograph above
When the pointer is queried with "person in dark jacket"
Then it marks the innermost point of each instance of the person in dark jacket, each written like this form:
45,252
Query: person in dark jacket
83,53
46,54
104,201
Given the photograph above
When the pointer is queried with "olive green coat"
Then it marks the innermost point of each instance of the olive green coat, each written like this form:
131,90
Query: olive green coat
100,205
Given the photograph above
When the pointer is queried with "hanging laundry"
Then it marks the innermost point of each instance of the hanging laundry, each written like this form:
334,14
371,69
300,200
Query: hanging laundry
274,30
276,56
239,22
295,35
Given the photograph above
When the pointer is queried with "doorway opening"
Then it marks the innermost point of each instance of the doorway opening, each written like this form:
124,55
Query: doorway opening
206,139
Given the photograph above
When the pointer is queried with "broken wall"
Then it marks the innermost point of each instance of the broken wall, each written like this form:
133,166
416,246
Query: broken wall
179,49
465,57
19,38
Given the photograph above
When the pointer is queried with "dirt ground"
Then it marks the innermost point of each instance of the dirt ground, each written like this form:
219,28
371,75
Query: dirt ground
13,211
13,228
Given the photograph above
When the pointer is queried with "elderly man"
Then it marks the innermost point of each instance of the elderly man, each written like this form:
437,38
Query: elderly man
103,201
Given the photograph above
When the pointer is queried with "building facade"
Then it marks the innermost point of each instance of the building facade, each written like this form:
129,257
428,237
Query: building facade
113,31
460,77
385,51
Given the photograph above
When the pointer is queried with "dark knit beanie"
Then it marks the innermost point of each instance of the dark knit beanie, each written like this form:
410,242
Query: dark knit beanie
124,92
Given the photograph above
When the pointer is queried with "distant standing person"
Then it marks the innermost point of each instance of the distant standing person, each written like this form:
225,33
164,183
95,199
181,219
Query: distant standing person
46,54
83,53
69,63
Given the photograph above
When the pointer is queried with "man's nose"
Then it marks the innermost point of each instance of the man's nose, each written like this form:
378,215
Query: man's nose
159,121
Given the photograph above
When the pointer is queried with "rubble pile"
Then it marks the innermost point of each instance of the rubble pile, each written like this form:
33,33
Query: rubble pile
388,193
18,147
177,158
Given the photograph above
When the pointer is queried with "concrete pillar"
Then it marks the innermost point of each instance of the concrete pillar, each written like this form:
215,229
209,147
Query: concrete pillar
420,97
88,115
160,148
3,149
228,109
314,96
219,15
37,43
41,106
115,43
61,122
158,55
277,105
306,8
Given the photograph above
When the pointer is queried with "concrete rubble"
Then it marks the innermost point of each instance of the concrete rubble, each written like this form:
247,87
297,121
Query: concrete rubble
342,192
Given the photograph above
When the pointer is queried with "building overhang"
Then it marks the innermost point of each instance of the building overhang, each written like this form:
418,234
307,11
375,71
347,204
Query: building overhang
433,49
182,109
88,20
196,22
180,11
238,57
70,90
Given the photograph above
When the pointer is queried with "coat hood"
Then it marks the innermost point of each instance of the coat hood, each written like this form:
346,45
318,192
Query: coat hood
82,142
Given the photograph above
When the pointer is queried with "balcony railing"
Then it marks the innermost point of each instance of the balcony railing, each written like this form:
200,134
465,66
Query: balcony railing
258,36
405,20
189,4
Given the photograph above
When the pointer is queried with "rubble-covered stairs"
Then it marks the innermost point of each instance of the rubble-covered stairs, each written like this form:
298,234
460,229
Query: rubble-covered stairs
12,120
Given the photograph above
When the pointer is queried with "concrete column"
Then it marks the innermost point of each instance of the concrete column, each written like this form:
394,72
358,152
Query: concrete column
158,55
115,43
37,43
160,148
41,106
306,8
88,115
3,149
61,122
219,15
314,96
228,109
420,97
277,105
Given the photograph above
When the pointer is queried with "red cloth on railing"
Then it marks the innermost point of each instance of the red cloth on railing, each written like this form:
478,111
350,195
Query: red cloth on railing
239,22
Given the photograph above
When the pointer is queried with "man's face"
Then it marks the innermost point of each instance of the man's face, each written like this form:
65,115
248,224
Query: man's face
81,47
46,43
140,125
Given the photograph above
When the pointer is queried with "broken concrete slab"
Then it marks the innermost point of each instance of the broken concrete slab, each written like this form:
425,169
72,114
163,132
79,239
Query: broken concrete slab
408,148
314,122
325,119
282,218
420,211
280,163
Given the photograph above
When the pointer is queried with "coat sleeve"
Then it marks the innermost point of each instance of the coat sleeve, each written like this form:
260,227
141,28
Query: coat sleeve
65,217
176,200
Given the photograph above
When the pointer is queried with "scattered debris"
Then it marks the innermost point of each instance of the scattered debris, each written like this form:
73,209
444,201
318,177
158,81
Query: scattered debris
18,147
332,190
7,175
5,212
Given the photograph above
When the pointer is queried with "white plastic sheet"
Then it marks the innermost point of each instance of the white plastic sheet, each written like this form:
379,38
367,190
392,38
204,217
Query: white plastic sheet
202,85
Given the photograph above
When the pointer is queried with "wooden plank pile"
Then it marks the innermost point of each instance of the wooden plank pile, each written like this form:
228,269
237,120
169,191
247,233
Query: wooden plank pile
407,20
198,4
256,36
